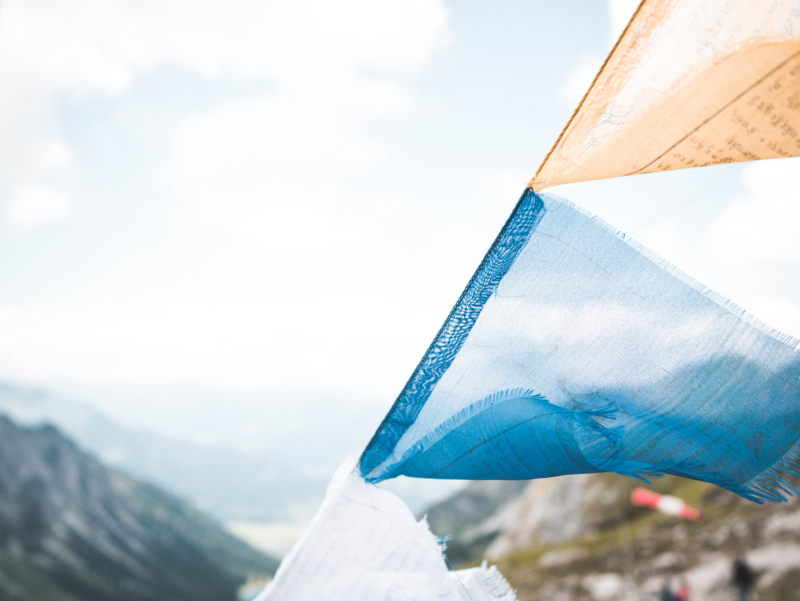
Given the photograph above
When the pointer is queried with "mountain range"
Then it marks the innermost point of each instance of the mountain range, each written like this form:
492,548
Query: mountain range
228,484
72,529
278,489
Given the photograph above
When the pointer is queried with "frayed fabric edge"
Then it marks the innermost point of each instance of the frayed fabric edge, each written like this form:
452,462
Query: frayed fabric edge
488,581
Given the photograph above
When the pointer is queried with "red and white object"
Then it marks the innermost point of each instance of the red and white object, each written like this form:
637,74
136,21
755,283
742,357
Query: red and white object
664,503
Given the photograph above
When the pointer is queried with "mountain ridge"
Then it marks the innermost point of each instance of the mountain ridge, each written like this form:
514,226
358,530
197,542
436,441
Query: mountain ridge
228,484
72,529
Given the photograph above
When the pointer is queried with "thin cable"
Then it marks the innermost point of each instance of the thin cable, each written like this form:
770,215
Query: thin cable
443,544
680,205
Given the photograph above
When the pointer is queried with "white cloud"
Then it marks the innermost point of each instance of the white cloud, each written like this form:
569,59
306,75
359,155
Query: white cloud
279,170
575,86
34,205
780,313
261,340
619,13
336,66
269,172
581,78
669,242
36,178
300,133
762,226
96,45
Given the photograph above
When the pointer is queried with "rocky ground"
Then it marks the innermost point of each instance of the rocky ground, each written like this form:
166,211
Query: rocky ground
578,538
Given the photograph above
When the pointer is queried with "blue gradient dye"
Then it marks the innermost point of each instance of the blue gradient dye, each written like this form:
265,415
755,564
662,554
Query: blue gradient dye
573,350
456,328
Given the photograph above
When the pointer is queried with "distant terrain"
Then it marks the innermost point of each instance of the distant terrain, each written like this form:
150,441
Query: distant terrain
229,485
72,529
578,538
268,497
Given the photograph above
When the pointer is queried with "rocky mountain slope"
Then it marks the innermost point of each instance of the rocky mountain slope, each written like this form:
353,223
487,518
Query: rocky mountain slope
475,516
72,529
578,538
229,485
281,486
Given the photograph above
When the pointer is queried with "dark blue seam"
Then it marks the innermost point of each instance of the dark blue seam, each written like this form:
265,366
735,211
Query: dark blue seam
454,332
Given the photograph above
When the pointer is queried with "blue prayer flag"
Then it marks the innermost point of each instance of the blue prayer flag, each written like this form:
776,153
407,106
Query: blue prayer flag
574,350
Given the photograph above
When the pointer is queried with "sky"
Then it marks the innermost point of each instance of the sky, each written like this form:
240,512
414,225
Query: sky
227,224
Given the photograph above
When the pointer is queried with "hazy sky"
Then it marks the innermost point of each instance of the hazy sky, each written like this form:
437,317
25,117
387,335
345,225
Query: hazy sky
219,217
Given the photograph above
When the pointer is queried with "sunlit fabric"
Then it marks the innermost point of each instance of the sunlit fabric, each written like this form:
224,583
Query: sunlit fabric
573,350
688,84
365,545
